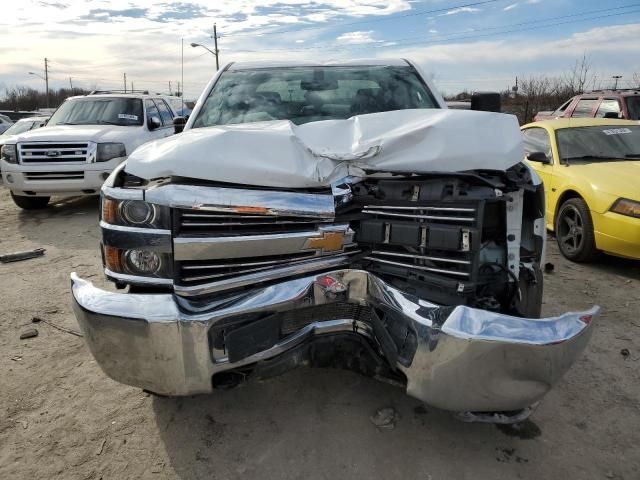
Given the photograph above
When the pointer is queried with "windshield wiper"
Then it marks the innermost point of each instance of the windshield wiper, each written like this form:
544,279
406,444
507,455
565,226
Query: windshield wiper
67,123
592,157
106,122
632,155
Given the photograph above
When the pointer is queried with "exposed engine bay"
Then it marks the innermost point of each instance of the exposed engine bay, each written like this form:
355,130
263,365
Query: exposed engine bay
454,239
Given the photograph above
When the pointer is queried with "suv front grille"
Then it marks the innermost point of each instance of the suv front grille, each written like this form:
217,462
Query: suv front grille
59,152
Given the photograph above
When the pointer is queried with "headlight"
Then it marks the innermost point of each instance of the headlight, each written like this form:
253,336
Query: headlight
627,207
9,153
109,151
134,213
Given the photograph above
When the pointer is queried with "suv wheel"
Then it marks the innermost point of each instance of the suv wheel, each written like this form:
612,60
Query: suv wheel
30,203
574,231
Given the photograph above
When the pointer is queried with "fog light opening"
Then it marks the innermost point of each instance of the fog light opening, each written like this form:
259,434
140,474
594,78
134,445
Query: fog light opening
228,380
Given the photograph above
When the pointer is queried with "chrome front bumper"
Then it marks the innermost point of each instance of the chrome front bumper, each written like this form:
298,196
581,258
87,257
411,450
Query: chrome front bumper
464,359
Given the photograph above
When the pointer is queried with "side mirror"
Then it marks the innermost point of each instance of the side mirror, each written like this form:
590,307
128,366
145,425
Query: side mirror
178,124
612,115
153,123
539,157
486,101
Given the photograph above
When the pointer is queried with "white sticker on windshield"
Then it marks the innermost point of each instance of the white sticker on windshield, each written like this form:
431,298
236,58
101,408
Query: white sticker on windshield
127,116
616,131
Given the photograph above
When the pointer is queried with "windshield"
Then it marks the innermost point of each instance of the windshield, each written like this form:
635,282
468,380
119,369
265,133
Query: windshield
606,142
633,106
99,111
308,94
19,127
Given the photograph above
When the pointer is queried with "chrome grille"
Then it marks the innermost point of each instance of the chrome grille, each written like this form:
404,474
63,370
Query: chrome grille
217,223
54,175
208,270
59,152
236,245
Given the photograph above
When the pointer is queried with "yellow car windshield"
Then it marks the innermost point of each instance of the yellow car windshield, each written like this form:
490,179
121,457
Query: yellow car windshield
601,143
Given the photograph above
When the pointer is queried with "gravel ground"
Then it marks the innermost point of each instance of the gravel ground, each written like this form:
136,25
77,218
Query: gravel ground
62,418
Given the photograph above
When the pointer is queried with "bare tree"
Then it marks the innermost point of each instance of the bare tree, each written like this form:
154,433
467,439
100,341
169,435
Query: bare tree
579,77
636,80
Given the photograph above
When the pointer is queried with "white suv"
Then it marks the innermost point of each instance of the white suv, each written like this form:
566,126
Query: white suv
85,139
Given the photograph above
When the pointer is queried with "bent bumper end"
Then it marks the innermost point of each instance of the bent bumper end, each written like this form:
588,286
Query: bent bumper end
459,359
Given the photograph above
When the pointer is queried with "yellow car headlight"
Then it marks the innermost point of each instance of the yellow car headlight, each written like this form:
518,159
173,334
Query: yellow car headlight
627,207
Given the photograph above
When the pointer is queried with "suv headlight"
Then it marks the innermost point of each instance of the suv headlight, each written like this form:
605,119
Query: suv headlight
109,151
135,213
9,153
627,207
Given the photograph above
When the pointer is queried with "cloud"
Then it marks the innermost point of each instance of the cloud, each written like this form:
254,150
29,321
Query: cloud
510,7
455,11
493,64
356,38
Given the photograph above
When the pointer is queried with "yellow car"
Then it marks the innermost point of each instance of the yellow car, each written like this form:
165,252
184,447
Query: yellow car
591,173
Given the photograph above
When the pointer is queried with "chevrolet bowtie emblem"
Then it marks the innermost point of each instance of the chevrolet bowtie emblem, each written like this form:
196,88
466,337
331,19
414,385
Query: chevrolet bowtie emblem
328,242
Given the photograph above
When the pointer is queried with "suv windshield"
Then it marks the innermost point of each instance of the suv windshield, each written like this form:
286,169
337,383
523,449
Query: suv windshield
99,111
308,94
606,142
633,107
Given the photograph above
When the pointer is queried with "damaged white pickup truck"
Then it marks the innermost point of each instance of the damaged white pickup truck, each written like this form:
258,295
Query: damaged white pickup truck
334,215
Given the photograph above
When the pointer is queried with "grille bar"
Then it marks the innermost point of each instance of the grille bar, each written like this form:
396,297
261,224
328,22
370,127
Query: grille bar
423,257
420,267
433,209
219,223
423,217
54,175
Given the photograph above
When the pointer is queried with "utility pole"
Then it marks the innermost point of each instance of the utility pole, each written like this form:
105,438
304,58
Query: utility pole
215,46
46,78
616,77
125,82
170,92
182,74
131,86
71,84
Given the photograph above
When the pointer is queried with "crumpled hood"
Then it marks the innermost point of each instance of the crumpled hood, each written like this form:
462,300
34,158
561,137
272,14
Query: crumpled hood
87,133
282,154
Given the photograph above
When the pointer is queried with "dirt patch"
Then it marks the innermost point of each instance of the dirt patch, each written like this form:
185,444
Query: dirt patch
62,418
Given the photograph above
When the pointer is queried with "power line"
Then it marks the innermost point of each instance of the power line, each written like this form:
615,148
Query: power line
359,22
460,35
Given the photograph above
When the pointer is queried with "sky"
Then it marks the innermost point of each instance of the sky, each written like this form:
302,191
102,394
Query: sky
461,44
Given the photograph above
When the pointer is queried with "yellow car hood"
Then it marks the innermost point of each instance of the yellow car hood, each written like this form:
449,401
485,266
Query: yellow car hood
617,178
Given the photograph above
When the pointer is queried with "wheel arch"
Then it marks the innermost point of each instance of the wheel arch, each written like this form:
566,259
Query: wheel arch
564,196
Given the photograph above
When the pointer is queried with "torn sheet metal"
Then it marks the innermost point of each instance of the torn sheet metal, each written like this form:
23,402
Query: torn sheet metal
282,154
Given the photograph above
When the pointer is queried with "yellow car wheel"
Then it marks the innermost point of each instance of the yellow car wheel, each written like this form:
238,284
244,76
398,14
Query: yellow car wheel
574,231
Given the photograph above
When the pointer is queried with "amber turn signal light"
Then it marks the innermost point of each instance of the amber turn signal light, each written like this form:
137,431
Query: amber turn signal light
109,210
112,259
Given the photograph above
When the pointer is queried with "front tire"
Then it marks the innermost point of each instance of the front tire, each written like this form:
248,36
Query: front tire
30,203
574,231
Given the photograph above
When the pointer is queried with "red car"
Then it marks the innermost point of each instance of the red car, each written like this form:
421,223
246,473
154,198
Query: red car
598,104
